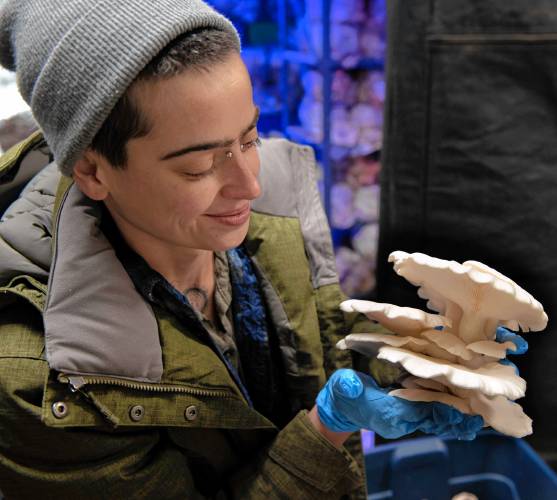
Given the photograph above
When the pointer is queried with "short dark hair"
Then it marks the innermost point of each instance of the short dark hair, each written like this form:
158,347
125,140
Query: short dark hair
198,49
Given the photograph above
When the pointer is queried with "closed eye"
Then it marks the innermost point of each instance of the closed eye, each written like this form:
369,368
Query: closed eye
243,147
202,174
250,144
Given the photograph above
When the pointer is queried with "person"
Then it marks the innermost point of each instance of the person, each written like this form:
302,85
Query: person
169,304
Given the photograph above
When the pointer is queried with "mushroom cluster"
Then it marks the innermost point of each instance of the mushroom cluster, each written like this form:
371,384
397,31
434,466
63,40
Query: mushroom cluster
452,356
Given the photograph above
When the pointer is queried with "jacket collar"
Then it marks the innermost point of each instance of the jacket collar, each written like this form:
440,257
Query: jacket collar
116,332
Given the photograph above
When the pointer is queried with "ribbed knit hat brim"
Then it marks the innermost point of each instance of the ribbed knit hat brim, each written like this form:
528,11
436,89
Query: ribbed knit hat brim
74,59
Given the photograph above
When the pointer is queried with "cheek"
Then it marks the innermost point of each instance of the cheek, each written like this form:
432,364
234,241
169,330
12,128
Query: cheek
190,200
141,187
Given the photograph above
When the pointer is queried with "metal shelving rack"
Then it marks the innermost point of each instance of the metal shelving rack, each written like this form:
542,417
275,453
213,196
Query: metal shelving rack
326,65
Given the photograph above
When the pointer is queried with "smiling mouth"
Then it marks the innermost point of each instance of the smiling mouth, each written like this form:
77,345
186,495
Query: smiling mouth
233,218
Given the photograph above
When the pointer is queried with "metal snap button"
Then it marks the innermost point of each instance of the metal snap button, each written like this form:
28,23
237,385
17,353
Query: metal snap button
191,413
59,409
137,413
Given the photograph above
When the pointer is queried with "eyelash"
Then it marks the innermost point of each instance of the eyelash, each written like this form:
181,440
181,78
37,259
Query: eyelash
245,146
251,144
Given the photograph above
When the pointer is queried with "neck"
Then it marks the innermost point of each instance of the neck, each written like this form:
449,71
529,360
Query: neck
189,270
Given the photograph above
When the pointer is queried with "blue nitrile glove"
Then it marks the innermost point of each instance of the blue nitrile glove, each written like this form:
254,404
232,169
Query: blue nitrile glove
504,335
351,401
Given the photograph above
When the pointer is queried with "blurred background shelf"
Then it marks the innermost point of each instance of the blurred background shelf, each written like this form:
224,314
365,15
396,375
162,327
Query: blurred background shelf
358,64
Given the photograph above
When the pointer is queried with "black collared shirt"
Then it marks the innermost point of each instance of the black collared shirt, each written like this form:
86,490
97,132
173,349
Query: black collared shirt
156,289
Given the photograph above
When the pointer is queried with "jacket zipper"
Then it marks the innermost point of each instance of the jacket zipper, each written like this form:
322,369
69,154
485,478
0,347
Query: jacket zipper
77,382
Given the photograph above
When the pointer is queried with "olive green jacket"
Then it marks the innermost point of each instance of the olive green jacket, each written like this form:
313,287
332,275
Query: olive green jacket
104,396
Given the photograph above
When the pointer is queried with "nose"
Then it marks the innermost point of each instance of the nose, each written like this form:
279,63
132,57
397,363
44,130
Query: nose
242,175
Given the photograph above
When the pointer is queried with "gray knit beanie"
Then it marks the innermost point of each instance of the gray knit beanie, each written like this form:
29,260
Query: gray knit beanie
74,59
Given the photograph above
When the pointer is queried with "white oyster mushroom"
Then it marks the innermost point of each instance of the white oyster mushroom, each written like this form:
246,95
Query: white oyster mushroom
412,382
449,347
491,348
418,394
369,343
503,415
475,300
493,379
449,342
457,364
438,344
514,324
498,412
399,320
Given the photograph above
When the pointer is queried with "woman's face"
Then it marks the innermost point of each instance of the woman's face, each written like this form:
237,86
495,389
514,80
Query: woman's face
189,182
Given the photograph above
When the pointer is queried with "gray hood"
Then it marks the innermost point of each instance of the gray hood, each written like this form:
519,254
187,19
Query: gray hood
25,229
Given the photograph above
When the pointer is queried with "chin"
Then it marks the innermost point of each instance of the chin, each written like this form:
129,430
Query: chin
230,241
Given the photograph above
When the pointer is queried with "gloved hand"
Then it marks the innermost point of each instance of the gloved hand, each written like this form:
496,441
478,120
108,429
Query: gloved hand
351,401
504,335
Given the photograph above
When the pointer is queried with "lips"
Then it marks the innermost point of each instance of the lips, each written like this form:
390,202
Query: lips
235,218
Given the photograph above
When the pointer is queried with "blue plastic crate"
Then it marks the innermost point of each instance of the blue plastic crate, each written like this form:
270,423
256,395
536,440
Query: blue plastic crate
493,467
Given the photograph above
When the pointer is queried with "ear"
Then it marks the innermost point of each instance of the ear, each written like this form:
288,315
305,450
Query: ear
89,173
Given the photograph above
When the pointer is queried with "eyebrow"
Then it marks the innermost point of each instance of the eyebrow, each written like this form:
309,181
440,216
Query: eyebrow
212,145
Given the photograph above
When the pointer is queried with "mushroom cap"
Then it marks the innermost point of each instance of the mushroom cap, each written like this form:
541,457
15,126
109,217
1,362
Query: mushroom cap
449,342
492,348
498,412
400,320
369,343
531,309
440,344
412,382
473,286
431,396
503,415
493,379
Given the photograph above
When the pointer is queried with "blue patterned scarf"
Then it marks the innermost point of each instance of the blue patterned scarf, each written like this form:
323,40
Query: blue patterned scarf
259,370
